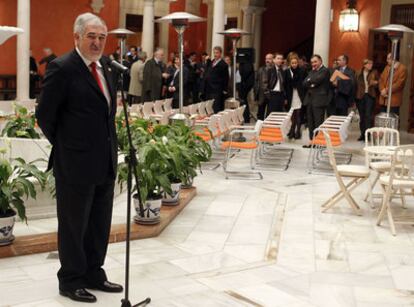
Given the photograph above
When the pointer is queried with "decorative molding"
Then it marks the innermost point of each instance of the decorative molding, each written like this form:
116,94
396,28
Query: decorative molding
97,6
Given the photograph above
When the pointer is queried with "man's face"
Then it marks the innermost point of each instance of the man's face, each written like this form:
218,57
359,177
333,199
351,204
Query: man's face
159,55
227,60
193,57
269,59
133,51
341,61
315,62
389,59
92,42
217,54
278,60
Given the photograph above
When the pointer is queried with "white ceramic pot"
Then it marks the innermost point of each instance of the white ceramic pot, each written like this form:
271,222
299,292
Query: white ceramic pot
6,229
174,198
152,211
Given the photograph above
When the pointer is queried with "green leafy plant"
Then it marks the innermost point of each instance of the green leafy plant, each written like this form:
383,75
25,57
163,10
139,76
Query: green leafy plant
21,124
17,184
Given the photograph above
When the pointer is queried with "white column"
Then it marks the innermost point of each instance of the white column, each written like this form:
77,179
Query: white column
23,50
147,41
257,35
322,29
209,25
218,24
247,26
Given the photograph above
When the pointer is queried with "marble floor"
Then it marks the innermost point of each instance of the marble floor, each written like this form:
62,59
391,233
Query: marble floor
247,243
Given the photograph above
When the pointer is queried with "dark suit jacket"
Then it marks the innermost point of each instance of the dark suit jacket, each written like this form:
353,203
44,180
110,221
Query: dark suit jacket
273,78
317,85
175,81
346,89
74,115
260,86
153,81
247,76
289,85
217,77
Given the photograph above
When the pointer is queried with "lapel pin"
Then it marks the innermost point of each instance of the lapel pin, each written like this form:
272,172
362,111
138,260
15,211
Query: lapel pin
109,69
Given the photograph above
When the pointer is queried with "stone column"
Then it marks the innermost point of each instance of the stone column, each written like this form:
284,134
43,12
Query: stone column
218,24
322,29
147,41
23,50
209,33
247,26
257,35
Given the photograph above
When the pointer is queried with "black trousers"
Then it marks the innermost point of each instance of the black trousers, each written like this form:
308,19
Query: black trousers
261,109
84,221
296,123
365,107
315,117
243,94
276,102
341,111
395,110
218,97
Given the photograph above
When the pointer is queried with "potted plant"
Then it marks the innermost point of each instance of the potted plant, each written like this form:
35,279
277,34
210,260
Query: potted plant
16,184
153,179
21,124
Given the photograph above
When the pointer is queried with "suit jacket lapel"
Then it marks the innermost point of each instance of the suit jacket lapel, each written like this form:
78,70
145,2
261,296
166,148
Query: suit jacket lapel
108,77
84,70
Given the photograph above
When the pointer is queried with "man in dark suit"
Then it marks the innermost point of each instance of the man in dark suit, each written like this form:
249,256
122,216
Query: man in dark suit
260,87
173,84
276,86
344,89
154,77
317,95
76,112
246,85
49,57
216,80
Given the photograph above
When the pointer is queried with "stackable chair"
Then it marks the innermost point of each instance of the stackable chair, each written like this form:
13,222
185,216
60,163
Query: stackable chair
252,144
209,107
337,127
202,111
273,134
400,178
168,106
135,110
379,164
148,109
357,174
158,107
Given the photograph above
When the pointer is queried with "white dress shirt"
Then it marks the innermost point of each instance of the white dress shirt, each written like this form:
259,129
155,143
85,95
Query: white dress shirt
99,69
277,86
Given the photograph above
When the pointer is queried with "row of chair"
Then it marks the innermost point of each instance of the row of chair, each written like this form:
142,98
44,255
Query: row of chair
337,127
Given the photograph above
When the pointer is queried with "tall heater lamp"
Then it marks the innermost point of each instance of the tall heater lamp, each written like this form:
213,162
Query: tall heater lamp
180,21
395,33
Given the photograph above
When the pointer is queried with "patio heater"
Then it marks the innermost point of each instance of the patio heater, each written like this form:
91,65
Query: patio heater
395,33
7,32
234,34
121,34
180,21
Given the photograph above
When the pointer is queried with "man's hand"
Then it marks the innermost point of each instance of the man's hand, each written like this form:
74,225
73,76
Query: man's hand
384,92
165,75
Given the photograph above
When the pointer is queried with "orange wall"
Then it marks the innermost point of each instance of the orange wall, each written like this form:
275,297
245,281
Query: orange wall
51,26
354,44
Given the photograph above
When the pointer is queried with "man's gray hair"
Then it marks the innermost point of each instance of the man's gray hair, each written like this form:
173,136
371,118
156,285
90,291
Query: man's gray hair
86,19
142,55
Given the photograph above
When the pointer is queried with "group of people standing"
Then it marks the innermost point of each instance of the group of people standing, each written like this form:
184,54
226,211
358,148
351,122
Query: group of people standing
314,91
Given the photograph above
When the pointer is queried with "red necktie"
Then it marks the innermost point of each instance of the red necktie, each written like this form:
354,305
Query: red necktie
96,76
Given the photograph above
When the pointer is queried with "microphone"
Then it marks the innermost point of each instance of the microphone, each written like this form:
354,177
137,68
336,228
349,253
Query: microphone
119,67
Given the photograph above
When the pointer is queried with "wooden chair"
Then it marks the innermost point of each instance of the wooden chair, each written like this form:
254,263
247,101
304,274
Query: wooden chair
399,179
356,173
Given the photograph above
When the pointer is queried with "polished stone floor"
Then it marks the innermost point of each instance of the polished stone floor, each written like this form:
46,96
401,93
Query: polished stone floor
247,243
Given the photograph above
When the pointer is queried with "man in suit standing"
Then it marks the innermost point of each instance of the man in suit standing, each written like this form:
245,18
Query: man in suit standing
137,78
173,84
344,89
217,80
247,82
260,86
276,86
76,112
154,77
317,96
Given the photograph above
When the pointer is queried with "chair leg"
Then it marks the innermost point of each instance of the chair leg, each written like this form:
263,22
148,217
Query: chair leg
385,200
402,195
336,197
391,220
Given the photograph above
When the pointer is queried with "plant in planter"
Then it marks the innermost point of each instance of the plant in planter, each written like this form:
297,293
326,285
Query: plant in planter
21,124
152,172
16,184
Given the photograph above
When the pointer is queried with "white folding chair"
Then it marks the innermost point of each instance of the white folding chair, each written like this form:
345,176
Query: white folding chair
356,173
158,107
209,107
399,179
380,164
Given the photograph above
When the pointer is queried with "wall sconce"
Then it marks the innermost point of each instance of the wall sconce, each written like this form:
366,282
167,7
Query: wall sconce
349,18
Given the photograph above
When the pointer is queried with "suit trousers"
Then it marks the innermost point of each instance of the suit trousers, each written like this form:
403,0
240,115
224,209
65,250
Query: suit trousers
261,109
276,102
218,97
365,107
84,214
315,117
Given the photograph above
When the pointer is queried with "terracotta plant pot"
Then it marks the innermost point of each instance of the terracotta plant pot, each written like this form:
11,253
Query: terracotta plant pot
6,228
174,198
152,210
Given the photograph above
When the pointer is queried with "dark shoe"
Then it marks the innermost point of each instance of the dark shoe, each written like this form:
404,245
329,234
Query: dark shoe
298,136
107,286
79,295
307,146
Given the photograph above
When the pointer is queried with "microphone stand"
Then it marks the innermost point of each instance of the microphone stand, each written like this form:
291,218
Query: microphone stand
132,162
